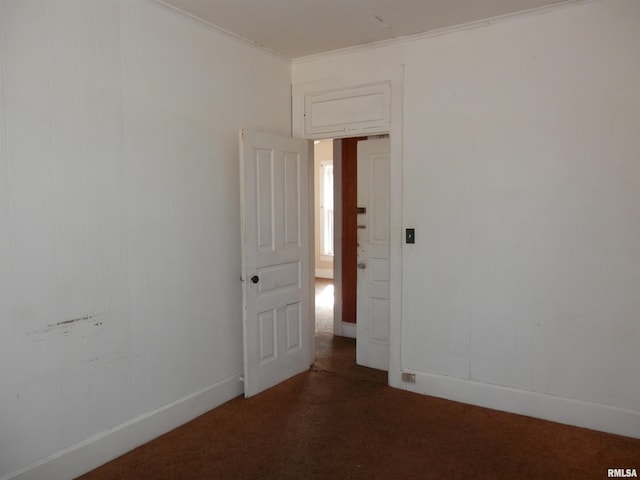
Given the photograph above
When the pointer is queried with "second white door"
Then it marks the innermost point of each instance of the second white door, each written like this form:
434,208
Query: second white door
372,333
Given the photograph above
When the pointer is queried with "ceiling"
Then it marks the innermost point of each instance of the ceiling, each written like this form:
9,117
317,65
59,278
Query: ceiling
297,28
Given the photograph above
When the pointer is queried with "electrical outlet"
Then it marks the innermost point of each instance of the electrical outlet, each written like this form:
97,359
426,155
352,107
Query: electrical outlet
408,377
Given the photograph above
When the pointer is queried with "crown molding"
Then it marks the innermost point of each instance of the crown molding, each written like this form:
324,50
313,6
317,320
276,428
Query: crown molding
415,37
213,26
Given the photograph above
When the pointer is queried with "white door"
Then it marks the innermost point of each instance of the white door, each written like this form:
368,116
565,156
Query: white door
372,327
278,331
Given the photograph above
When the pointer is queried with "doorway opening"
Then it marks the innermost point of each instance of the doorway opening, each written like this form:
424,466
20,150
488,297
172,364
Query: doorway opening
352,243
324,214
324,305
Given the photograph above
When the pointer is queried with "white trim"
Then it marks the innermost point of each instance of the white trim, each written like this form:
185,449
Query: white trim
311,212
224,31
396,224
599,417
395,77
337,235
343,329
324,273
373,117
442,31
382,43
105,446
301,90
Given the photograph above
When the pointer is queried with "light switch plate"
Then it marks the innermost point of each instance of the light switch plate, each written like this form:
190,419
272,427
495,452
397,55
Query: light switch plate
410,236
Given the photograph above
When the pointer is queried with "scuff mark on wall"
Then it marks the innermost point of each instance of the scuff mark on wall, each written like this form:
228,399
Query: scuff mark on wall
65,324
73,320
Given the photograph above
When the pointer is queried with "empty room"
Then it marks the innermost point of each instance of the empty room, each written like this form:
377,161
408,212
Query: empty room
157,229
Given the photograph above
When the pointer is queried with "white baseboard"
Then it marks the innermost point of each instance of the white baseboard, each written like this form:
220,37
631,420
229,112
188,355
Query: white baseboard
594,416
324,273
105,446
344,329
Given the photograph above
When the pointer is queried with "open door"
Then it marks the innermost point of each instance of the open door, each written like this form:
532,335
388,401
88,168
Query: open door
276,257
372,329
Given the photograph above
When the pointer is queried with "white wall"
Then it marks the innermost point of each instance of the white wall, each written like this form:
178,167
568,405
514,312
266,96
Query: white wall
120,300
521,176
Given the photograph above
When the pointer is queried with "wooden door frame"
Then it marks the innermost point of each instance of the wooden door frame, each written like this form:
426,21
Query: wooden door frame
345,278
340,328
349,240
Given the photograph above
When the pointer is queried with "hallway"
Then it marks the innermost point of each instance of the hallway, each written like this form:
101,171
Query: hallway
324,305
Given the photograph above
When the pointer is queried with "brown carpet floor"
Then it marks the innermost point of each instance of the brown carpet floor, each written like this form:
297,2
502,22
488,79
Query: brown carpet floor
341,421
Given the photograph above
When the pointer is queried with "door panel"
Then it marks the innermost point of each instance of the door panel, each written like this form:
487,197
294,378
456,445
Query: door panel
361,109
292,198
372,344
276,255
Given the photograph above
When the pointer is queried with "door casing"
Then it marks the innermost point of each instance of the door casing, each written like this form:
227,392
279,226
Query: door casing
395,78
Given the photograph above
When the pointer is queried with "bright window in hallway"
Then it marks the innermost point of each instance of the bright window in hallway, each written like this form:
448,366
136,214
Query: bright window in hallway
326,207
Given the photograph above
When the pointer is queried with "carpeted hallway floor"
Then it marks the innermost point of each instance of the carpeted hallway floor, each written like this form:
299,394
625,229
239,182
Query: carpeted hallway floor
341,421
324,305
